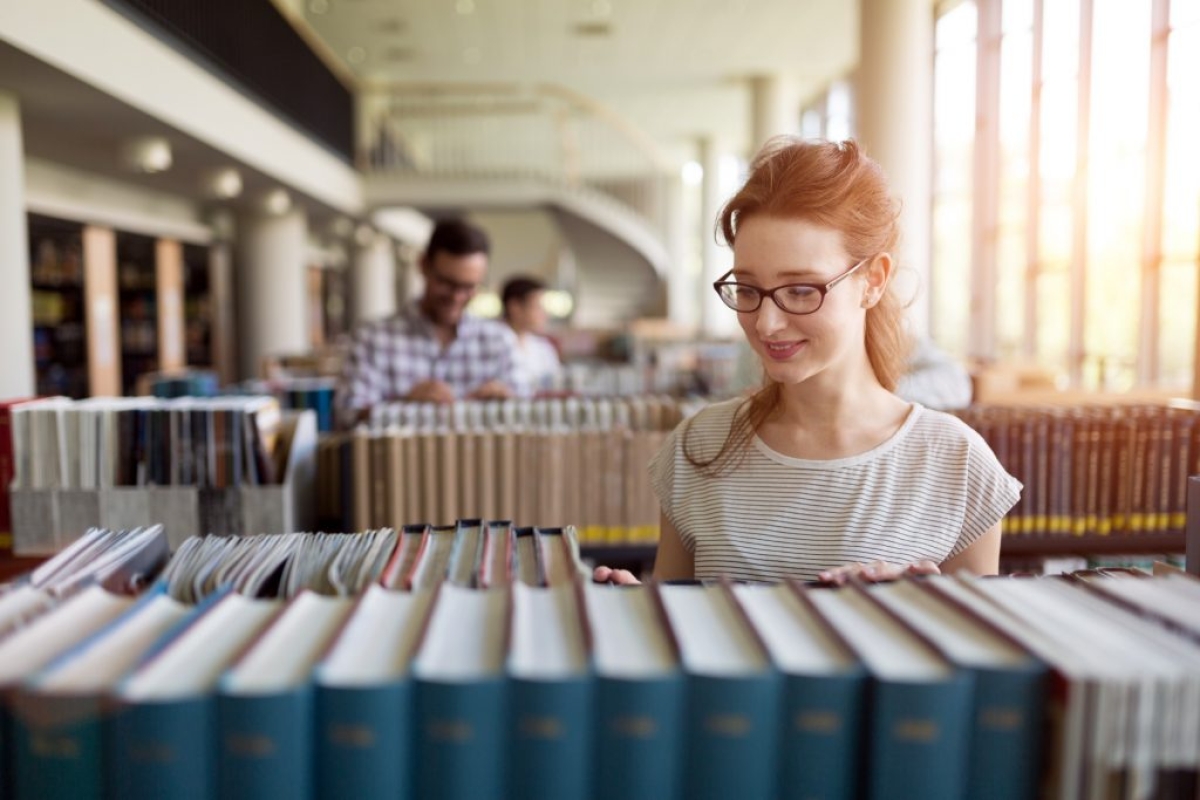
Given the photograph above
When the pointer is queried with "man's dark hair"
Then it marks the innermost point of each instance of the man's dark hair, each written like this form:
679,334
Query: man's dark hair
518,288
458,238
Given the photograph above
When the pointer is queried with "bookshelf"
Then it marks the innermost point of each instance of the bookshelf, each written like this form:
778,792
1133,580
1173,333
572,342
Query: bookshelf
138,308
197,307
59,307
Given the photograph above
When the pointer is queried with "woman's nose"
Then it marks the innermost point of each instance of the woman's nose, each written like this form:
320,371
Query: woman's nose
770,318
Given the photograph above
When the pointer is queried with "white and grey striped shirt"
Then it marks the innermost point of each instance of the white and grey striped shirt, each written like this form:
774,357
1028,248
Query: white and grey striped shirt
929,491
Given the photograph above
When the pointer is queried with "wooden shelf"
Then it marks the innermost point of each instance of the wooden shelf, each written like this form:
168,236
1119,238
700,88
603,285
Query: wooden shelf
11,566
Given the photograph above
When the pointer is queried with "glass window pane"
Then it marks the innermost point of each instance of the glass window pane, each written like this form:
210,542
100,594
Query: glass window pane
1016,76
954,136
1116,188
1177,323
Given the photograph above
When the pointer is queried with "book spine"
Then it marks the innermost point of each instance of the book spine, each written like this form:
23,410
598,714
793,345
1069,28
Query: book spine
549,739
638,741
1006,738
262,740
822,724
6,478
363,742
460,753
163,750
732,730
58,743
918,739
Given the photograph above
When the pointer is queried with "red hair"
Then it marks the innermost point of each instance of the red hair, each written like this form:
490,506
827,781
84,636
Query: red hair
837,186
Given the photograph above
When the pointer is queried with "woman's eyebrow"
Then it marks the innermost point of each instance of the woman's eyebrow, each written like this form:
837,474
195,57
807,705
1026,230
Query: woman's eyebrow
786,276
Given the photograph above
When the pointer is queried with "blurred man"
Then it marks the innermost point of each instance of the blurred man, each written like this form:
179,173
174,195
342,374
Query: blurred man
432,351
537,361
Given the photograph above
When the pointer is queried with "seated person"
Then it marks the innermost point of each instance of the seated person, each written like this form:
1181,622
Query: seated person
432,350
537,361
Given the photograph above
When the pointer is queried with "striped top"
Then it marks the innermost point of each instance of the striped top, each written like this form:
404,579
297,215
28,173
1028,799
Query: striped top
928,492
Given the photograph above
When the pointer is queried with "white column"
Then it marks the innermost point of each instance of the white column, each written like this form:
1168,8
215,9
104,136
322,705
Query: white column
894,90
373,280
715,318
271,288
16,314
774,109
681,286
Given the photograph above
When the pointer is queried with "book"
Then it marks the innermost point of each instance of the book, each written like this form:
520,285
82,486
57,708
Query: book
733,695
364,698
461,706
1009,688
918,715
62,713
824,696
639,694
164,740
264,703
550,690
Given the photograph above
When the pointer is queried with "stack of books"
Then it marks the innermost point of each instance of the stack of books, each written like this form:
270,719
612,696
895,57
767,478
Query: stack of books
485,679
219,465
1095,470
557,462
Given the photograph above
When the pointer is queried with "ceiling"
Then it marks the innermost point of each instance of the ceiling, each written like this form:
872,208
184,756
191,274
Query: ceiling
677,69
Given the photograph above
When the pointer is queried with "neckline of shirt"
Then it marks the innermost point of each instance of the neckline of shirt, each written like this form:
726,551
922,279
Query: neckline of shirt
847,461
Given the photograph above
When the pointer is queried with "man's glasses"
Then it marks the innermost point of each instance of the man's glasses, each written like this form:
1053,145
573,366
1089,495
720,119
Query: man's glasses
451,285
794,298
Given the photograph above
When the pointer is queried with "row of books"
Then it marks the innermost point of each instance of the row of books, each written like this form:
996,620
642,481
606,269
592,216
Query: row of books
59,443
594,478
46,520
471,552
550,414
1104,470
936,688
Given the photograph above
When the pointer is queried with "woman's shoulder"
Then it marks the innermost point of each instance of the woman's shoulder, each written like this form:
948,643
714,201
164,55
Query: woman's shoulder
944,428
715,418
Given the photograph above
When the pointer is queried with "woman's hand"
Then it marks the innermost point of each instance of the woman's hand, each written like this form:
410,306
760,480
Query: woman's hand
619,576
876,571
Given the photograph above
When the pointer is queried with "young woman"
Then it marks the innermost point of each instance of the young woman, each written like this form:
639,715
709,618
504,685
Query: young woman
824,473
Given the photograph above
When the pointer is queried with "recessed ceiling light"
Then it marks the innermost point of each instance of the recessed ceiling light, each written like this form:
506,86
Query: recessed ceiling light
465,7
148,154
356,55
277,202
224,184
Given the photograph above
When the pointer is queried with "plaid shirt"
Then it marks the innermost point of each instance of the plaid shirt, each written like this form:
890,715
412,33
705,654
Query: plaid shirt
389,357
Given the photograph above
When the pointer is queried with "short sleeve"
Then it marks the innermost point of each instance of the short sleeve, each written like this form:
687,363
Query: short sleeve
991,492
662,474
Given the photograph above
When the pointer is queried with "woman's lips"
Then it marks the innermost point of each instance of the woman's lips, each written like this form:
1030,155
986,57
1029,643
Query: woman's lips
782,351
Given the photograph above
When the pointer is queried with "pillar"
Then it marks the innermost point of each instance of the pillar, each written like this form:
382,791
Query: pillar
16,310
373,280
271,282
894,89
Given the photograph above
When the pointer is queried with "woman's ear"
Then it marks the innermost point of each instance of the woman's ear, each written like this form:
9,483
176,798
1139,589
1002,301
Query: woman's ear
877,275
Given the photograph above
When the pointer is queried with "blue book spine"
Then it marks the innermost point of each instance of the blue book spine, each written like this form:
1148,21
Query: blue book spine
820,741
732,729
550,739
164,749
265,745
919,739
7,748
59,747
1006,742
638,742
460,739
363,742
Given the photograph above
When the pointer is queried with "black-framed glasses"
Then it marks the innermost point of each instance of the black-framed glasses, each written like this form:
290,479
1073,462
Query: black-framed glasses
793,298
